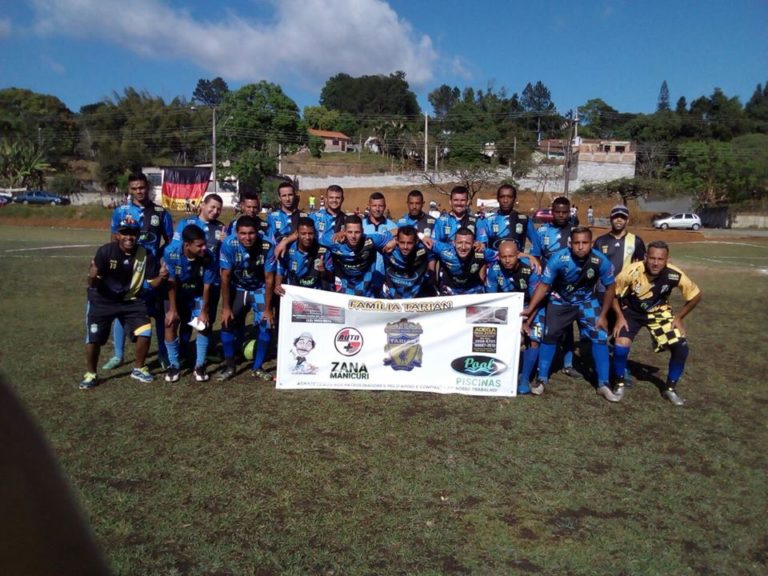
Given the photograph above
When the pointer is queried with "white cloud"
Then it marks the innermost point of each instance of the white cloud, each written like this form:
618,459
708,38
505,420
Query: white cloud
304,41
5,27
460,68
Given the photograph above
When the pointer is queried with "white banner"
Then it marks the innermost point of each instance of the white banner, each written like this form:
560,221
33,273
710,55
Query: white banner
450,345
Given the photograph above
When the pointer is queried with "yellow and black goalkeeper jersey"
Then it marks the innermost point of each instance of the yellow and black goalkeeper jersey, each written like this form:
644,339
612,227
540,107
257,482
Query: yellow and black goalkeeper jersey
637,291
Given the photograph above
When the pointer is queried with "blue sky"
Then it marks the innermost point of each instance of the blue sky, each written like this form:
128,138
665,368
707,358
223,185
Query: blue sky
617,50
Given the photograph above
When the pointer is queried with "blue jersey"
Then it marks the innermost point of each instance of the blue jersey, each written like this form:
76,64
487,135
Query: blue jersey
522,278
424,224
551,239
215,233
280,224
247,267
512,226
261,225
190,275
447,226
405,276
299,268
325,221
355,267
458,275
154,221
573,281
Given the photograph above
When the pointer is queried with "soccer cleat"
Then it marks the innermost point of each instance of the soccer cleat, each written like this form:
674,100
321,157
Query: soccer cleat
173,374
90,380
672,396
606,393
200,374
261,374
628,381
571,372
112,363
142,375
618,388
538,388
225,374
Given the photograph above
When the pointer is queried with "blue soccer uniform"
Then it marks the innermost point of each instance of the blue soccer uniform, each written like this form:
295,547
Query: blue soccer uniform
510,226
447,226
407,276
459,275
354,268
305,268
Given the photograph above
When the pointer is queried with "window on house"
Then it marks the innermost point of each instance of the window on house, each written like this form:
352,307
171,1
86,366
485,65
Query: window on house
335,141
620,149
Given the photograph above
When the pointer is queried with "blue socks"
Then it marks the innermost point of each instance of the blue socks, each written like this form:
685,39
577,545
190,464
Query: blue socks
530,356
620,358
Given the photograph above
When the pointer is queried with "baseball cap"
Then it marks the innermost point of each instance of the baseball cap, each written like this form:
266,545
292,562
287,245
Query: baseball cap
128,224
620,210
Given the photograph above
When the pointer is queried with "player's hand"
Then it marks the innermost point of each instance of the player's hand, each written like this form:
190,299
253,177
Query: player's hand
171,318
535,263
677,324
163,271
525,312
203,317
279,290
389,246
602,323
268,318
339,236
428,242
479,246
281,247
226,317
621,324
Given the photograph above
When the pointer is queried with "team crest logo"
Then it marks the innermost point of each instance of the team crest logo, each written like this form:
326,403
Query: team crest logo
403,349
348,341
155,220
590,273
519,228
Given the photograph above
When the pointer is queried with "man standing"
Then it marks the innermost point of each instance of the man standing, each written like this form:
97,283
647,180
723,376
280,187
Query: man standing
305,262
619,245
354,257
245,257
571,274
512,272
192,271
376,222
460,217
119,273
282,222
643,291
250,205
416,217
330,217
508,223
156,230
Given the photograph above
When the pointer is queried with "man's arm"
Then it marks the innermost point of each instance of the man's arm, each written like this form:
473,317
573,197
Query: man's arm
608,298
226,309
684,311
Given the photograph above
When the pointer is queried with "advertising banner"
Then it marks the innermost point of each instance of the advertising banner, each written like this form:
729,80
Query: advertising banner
449,345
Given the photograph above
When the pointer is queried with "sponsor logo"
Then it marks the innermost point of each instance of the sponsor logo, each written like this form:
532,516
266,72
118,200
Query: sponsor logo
484,339
590,273
94,328
348,341
478,365
302,311
154,220
351,370
403,349
519,228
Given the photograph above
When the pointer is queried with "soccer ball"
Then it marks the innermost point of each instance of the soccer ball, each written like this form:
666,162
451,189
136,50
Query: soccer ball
248,349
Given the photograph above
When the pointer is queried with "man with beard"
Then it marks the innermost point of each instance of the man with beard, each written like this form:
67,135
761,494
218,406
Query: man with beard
423,223
354,257
507,223
119,273
619,245
462,269
407,273
250,205
246,257
571,275
156,230
643,291
460,217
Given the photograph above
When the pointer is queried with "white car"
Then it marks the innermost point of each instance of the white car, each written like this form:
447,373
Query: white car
684,220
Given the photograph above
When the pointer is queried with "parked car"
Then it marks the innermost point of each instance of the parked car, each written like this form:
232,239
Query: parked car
4,200
543,215
41,197
683,220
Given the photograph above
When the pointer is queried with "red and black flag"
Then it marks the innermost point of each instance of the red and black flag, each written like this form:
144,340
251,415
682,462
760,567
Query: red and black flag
184,187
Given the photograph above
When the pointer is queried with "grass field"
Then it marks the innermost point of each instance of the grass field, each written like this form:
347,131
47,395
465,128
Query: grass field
240,478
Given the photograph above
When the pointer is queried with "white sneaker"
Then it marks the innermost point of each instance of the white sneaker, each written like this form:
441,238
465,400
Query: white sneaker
538,388
606,393
672,396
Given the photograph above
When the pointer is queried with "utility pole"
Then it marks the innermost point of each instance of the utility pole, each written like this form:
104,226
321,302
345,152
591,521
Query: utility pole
426,138
279,158
213,153
571,123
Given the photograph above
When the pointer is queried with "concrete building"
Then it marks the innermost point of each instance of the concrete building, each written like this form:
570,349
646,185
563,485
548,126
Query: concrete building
334,141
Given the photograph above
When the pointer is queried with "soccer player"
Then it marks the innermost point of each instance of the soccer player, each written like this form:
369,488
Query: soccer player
571,274
250,205
119,273
156,230
553,237
460,217
331,216
305,263
513,272
462,268
282,222
354,256
245,257
407,267
376,222
643,291
192,271
620,245
416,217
507,223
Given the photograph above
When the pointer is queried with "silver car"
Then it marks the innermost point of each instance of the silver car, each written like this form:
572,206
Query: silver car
684,220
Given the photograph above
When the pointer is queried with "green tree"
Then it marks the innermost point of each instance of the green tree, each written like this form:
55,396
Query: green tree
22,164
370,95
705,169
536,100
662,104
257,119
210,92
443,99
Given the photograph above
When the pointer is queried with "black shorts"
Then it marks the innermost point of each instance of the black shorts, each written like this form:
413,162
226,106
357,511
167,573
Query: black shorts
560,317
100,313
659,324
